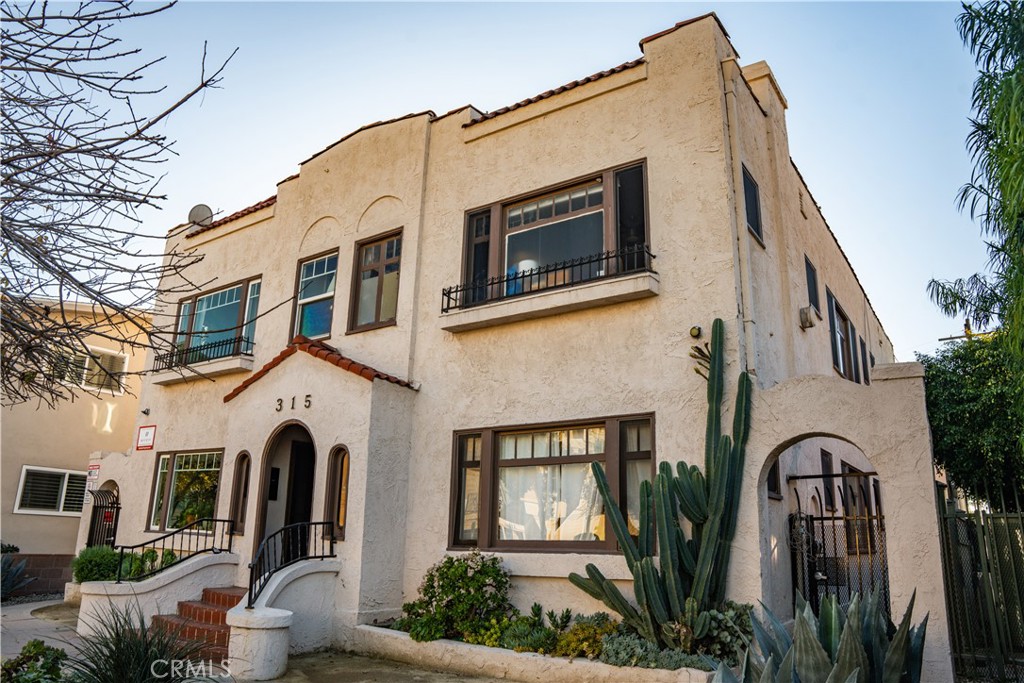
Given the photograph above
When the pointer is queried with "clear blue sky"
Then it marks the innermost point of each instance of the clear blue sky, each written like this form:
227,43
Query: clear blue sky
879,96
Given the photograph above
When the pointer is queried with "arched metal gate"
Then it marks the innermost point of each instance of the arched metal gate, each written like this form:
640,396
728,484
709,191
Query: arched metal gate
843,551
106,511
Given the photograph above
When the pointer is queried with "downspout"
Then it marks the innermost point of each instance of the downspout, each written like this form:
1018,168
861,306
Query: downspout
741,245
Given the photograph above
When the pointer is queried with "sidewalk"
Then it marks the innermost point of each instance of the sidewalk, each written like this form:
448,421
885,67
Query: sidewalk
55,625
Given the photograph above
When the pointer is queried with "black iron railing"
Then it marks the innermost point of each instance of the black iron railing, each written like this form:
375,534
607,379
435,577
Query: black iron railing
197,353
143,560
607,264
286,546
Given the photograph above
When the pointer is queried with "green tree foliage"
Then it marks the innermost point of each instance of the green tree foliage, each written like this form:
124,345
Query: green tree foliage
994,32
971,390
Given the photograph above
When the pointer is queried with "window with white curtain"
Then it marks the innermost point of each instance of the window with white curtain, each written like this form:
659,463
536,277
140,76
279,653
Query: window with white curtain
540,485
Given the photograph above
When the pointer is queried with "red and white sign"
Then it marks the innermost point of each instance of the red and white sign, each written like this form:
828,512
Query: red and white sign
94,471
147,437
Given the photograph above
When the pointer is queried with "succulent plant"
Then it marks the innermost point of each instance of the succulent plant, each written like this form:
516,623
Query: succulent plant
858,644
674,592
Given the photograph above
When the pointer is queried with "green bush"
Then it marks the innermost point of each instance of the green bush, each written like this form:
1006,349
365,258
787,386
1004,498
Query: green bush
98,563
12,576
459,596
583,638
491,635
37,663
628,649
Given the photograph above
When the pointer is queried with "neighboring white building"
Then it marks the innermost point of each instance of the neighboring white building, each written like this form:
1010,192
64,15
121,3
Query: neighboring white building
427,334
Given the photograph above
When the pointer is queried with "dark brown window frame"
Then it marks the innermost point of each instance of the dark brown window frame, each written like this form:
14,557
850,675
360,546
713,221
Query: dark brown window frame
240,491
336,498
615,469
861,509
773,482
844,355
499,231
813,292
162,528
756,230
294,326
828,480
194,299
357,269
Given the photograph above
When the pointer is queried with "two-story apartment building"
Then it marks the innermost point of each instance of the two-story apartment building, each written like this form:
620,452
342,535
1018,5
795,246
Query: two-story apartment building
427,335
46,450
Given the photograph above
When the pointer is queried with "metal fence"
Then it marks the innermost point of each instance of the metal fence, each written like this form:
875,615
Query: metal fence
983,571
286,546
106,512
607,264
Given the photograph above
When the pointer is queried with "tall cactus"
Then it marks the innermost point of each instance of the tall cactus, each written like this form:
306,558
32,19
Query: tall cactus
690,575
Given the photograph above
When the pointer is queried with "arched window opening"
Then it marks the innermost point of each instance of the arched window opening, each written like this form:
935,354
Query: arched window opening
337,491
240,492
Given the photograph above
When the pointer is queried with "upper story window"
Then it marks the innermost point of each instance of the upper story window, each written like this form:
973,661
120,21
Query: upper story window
49,491
845,358
314,308
375,295
99,370
589,229
812,285
752,201
217,325
533,488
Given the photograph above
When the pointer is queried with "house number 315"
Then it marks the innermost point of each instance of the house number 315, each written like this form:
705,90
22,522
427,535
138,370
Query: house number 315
307,401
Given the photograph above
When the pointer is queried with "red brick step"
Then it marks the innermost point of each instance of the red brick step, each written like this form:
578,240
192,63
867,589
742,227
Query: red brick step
203,621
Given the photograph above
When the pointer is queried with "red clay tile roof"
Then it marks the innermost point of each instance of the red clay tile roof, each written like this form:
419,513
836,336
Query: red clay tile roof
320,350
269,201
568,86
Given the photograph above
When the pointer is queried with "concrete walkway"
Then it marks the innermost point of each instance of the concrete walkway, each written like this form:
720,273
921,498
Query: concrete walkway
54,623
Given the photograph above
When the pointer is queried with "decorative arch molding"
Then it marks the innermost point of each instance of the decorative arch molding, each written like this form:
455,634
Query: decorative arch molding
322,235
383,213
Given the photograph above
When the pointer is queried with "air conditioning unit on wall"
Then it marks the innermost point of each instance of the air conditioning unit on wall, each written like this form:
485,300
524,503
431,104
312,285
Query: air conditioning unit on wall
806,317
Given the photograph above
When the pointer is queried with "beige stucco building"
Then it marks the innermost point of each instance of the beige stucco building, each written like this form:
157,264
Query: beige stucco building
46,451
490,301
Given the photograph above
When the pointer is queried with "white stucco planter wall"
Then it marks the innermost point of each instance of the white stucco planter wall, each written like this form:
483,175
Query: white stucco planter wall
479,660
73,593
258,647
159,594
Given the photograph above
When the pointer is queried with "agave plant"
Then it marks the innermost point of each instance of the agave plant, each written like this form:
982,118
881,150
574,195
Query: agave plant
856,645
12,576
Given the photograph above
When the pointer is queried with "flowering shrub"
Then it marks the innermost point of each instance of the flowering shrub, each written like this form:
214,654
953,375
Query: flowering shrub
459,597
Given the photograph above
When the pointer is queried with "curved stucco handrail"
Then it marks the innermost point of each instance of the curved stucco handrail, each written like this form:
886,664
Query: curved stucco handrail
164,578
281,579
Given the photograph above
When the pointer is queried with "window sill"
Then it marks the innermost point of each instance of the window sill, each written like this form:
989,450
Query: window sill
553,302
210,368
47,513
558,564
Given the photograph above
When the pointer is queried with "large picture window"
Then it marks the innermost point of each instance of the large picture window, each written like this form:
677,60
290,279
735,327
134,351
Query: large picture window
534,487
588,229
185,488
48,491
314,308
218,324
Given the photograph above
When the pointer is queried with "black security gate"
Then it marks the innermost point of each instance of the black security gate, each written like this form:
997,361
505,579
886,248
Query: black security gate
983,572
106,511
842,551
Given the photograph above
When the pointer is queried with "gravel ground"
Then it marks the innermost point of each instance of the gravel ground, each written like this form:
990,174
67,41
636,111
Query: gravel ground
38,597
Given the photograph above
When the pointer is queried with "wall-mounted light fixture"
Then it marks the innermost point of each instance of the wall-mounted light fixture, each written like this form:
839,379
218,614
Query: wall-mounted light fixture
695,331
145,411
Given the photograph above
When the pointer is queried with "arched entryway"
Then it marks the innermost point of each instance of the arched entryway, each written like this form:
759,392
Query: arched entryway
287,480
822,523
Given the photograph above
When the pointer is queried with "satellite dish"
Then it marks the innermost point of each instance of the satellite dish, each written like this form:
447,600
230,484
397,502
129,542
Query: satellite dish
200,215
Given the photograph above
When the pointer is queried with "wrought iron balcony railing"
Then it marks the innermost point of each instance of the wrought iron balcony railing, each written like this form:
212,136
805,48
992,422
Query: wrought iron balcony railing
607,264
198,353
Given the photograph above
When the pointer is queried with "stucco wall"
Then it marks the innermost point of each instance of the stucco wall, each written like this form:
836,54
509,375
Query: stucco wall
62,438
